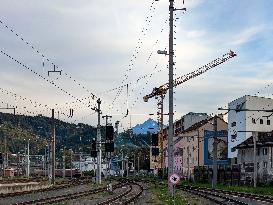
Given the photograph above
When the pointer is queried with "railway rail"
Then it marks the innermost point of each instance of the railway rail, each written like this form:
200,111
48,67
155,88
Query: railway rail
256,197
132,194
65,197
217,198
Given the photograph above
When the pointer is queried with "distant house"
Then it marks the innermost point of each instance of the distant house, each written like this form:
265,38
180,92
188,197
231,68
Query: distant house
247,120
180,125
264,157
190,146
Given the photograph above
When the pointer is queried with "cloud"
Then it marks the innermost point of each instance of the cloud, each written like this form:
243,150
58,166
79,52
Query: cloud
247,35
94,41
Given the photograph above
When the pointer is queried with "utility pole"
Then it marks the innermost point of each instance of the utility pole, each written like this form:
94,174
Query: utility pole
106,118
6,160
28,162
170,134
122,164
99,144
255,135
138,165
198,150
64,163
214,180
127,167
5,156
134,165
116,126
71,175
53,162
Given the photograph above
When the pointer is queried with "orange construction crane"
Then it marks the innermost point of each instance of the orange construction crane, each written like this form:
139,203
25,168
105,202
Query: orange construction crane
162,90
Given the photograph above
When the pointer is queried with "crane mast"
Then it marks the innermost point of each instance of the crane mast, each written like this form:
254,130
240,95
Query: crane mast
160,92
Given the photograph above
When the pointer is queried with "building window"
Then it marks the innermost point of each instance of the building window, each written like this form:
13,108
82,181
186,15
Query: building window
233,124
258,151
253,121
243,152
265,164
264,151
268,122
261,121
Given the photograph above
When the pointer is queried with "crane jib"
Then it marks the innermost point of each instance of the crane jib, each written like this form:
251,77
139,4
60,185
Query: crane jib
163,88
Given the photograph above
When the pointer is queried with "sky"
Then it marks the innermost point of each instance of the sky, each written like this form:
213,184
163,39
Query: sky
101,45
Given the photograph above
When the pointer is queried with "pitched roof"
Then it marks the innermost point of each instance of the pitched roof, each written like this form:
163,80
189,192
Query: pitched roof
265,139
200,124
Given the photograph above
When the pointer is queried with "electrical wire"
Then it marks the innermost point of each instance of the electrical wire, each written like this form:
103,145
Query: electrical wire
42,77
35,50
137,48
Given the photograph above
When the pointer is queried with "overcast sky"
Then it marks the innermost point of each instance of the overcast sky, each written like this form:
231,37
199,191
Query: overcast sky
104,44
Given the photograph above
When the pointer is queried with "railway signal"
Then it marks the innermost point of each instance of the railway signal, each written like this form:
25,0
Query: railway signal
94,148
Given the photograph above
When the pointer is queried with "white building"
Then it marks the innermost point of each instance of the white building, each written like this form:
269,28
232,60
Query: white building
88,164
240,124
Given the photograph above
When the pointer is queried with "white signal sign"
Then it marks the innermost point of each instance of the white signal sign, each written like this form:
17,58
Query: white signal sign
174,179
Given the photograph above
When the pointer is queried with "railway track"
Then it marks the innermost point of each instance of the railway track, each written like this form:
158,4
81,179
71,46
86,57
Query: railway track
65,197
259,198
132,194
217,198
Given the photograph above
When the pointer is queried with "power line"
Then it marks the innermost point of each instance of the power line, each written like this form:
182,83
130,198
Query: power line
47,80
35,50
144,30
32,102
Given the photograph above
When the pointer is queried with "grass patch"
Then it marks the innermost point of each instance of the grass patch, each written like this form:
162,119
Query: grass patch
261,190
161,192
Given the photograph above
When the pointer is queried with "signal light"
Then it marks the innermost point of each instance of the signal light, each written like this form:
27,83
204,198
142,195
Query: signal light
155,140
109,147
155,151
1,158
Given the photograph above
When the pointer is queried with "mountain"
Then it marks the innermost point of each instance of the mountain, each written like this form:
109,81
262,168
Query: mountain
148,126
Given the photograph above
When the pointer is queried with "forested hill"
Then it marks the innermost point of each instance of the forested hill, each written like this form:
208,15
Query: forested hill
16,128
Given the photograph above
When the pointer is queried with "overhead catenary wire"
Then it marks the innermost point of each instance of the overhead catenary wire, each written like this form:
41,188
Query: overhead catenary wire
143,33
37,51
42,77
32,102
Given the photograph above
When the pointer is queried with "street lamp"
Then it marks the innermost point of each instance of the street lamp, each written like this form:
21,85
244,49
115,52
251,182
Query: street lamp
162,52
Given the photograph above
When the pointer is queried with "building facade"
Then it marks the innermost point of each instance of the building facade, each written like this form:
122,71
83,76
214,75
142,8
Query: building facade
264,157
240,122
189,146
180,125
